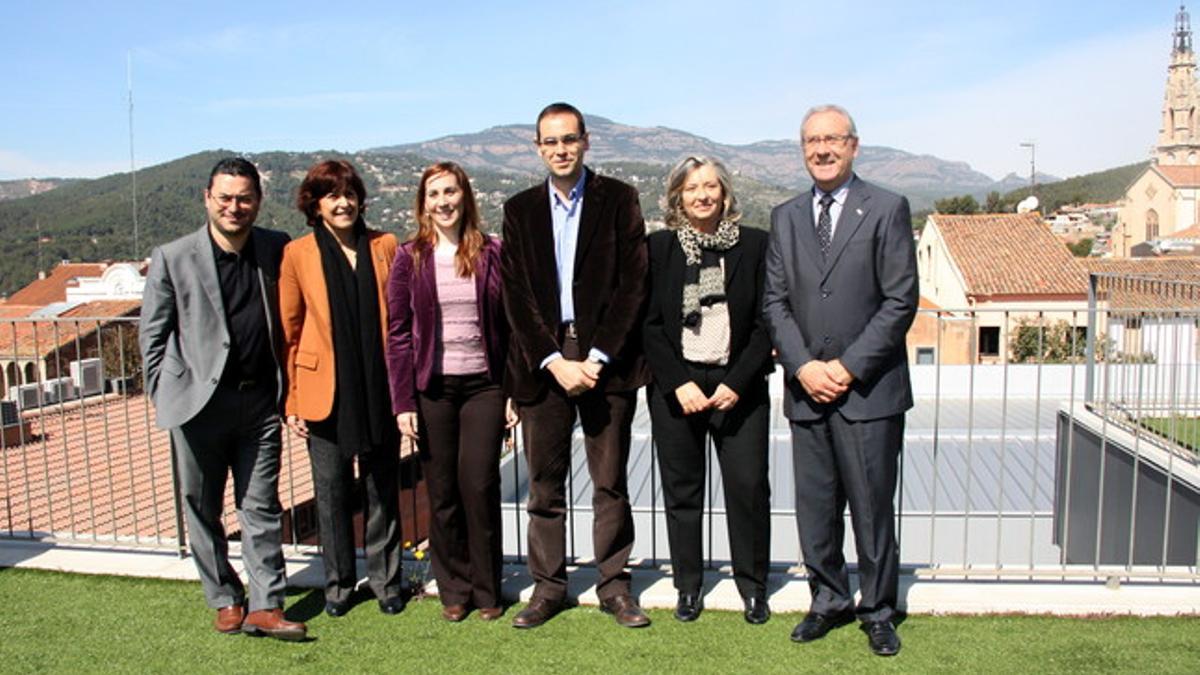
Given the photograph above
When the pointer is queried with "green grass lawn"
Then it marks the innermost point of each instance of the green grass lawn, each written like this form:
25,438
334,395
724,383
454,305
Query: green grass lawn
1182,430
62,622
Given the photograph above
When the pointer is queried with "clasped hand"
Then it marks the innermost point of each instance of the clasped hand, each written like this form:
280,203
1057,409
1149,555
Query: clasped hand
575,377
824,381
692,399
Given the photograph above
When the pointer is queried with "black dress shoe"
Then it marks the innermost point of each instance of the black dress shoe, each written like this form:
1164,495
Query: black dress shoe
336,609
392,605
882,637
689,607
815,626
538,612
757,611
626,611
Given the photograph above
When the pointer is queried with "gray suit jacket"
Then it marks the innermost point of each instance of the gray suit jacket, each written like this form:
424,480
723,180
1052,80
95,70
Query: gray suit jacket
183,335
856,306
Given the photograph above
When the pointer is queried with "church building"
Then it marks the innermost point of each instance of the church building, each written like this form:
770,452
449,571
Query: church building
1165,198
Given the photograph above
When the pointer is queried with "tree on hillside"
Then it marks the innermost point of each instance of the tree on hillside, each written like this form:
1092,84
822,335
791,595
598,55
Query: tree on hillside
1081,248
963,205
995,203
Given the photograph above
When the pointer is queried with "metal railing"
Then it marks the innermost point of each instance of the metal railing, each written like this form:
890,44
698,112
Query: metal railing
1005,454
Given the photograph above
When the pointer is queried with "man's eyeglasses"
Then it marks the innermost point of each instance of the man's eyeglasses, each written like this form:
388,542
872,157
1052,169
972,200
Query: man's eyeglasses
568,141
828,139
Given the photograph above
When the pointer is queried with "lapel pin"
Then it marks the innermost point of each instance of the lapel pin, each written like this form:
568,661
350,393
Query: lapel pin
858,211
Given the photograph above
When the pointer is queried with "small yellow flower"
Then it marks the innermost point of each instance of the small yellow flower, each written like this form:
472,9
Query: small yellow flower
419,555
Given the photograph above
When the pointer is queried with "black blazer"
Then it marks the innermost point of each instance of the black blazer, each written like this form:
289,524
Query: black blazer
609,286
750,345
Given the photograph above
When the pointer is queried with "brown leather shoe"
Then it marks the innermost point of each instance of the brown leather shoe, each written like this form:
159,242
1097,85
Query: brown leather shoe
270,622
229,619
454,613
491,613
538,612
626,611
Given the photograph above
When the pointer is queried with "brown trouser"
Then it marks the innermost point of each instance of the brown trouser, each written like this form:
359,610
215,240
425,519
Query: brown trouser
549,424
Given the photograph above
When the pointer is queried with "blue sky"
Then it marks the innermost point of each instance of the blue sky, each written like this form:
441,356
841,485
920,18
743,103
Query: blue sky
965,81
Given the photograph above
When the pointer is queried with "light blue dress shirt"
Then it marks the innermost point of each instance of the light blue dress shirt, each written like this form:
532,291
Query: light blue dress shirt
564,216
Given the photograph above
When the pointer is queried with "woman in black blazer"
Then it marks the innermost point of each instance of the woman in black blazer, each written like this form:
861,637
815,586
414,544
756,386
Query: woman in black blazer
709,352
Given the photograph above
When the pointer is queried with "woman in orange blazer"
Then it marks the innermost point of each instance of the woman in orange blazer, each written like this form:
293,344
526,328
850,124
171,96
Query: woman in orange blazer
334,316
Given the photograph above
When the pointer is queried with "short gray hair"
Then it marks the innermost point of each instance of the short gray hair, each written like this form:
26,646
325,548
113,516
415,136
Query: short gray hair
828,107
675,216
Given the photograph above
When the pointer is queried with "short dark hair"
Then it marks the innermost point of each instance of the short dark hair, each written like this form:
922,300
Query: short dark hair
333,176
558,109
237,166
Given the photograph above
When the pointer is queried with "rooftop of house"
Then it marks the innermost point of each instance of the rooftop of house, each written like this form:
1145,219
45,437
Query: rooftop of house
1010,254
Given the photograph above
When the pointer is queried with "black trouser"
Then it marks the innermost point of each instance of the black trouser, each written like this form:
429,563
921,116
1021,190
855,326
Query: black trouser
740,437
461,429
333,479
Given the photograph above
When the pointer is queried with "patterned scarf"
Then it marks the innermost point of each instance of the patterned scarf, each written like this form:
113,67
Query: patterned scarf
703,280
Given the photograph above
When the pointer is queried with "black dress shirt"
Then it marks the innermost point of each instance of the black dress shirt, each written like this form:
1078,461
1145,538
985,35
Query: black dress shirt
249,337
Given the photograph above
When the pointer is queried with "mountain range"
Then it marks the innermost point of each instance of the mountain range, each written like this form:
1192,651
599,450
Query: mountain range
923,178
44,220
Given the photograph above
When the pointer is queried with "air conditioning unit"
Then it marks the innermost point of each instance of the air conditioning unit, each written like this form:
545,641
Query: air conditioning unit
26,396
58,389
8,413
88,376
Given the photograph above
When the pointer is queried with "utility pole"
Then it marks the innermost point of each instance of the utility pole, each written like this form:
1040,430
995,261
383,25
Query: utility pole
132,164
1032,145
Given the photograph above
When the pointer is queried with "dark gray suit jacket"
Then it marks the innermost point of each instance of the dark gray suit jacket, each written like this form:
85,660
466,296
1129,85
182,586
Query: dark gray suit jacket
183,335
856,306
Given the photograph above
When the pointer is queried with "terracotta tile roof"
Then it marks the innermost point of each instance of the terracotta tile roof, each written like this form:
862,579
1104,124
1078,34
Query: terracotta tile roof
1180,176
1010,254
37,339
101,467
1192,232
11,311
1148,284
103,309
53,288
926,303
1183,268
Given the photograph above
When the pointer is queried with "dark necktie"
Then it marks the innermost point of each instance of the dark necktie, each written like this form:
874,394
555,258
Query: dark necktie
825,225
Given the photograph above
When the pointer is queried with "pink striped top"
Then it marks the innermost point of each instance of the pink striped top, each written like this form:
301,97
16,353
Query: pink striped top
460,349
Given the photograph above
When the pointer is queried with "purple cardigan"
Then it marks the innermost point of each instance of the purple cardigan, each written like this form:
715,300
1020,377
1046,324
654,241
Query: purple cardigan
412,304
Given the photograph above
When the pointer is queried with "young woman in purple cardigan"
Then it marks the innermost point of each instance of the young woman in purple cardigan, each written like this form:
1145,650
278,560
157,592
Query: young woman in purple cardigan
447,340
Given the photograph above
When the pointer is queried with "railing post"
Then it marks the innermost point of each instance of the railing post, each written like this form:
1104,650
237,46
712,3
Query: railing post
1089,374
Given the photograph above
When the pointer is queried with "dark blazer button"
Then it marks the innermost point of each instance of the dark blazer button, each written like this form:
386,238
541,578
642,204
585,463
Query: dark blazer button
225,345
215,381
828,339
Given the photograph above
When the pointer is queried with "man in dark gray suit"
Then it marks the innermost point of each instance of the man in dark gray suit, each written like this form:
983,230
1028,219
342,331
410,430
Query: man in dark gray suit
841,293
208,336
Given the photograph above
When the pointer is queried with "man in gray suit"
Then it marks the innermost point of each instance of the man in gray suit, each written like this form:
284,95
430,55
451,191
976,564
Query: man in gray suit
841,293
208,336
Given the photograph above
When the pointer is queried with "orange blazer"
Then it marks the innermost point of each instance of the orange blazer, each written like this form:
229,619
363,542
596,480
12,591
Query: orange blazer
307,329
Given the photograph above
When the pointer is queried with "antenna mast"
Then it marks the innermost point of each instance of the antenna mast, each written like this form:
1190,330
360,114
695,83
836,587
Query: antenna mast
132,164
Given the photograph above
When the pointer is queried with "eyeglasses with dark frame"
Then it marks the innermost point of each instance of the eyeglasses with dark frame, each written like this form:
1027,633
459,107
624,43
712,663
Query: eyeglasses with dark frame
568,141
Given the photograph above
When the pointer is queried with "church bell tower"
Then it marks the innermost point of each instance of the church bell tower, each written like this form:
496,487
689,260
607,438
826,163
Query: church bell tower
1179,137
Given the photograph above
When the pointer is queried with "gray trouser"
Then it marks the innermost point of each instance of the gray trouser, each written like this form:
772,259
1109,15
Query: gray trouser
237,431
838,462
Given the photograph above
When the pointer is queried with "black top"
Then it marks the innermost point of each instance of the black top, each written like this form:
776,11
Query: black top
249,340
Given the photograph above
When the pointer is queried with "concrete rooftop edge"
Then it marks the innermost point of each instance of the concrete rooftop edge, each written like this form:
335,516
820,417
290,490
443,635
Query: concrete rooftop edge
788,589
